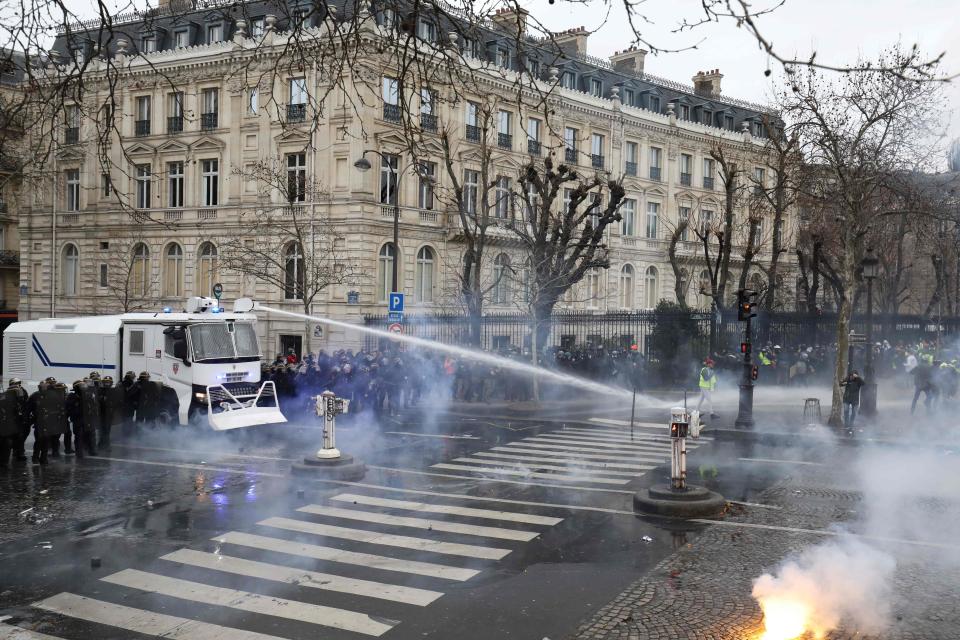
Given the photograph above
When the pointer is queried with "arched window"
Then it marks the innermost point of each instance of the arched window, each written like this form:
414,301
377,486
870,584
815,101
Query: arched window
70,270
652,287
293,272
626,287
140,270
208,268
423,289
501,279
386,263
593,288
684,284
173,271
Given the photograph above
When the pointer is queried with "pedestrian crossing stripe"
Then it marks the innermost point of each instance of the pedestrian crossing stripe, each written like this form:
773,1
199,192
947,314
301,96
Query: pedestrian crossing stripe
621,435
581,449
250,602
333,554
147,622
419,523
509,516
387,539
596,444
536,466
566,452
302,577
142,621
530,474
568,460
10,632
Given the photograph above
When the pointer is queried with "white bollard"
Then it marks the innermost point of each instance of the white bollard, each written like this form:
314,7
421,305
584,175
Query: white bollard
328,405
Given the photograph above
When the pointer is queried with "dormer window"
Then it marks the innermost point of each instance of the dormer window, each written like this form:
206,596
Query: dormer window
596,87
214,33
148,44
503,58
728,122
79,57
426,31
257,27
654,104
181,38
568,80
684,112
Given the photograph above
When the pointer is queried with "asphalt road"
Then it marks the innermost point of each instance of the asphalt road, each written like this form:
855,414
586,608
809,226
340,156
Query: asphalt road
475,529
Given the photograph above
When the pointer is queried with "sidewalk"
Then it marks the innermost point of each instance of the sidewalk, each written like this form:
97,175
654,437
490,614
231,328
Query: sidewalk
703,590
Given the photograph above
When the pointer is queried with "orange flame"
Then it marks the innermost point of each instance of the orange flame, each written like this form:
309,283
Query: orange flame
784,619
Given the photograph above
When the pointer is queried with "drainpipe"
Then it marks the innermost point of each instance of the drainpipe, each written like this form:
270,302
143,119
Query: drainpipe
53,244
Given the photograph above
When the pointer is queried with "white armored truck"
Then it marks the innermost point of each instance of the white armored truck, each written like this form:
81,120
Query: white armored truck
206,359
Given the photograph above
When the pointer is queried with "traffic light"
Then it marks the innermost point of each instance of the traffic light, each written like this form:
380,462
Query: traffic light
754,372
746,304
679,429
745,347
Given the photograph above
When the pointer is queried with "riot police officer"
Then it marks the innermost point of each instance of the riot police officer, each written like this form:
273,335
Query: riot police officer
21,438
74,410
10,419
111,409
90,411
47,406
148,399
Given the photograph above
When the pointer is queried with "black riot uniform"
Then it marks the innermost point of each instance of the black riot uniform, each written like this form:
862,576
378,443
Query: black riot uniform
128,385
10,419
47,408
90,411
74,411
20,440
148,395
112,400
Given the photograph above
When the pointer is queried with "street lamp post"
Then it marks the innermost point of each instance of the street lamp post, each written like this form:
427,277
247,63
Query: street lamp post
870,267
364,165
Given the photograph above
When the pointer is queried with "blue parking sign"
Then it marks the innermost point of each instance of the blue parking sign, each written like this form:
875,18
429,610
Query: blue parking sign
396,302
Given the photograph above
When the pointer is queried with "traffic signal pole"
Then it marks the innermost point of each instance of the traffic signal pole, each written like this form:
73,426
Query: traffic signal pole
745,312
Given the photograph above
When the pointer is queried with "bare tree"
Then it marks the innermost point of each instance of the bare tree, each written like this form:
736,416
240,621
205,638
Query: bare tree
288,240
562,229
861,132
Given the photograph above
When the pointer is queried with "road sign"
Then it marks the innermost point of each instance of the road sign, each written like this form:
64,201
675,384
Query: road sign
396,328
395,316
857,338
217,290
396,302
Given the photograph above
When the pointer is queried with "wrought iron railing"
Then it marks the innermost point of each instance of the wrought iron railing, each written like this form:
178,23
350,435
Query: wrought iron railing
175,124
208,121
142,127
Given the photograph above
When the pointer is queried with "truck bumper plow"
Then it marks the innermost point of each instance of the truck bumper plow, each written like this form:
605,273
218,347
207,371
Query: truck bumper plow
226,411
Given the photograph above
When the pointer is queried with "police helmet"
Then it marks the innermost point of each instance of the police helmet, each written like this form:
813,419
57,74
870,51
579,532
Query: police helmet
50,380
144,375
14,382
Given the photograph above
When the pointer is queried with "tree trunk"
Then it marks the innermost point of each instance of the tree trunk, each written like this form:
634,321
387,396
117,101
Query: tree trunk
535,360
844,315
307,333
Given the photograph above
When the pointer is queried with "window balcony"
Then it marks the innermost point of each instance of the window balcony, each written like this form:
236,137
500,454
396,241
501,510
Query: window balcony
9,258
391,112
533,147
655,173
175,124
570,155
596,161
630,168
505,141
685,179
473,133
72,135
142,127
296,112
707,183
428,122
208,121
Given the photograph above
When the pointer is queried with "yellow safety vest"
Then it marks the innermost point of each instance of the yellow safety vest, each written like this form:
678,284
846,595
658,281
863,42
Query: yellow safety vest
705,383
764,360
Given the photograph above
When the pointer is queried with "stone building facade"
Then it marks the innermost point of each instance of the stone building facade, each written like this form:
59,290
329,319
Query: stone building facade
135,217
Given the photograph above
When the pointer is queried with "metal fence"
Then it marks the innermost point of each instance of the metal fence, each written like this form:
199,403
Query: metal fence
654,331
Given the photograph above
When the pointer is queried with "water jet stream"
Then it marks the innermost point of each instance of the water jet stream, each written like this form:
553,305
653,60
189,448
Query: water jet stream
471,354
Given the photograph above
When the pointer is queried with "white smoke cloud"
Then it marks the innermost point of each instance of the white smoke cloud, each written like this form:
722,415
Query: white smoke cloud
840,581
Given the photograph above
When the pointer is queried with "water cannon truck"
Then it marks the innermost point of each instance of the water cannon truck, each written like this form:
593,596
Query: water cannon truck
205,359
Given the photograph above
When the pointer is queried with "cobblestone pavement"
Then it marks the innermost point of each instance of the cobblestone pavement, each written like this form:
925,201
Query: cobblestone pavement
703,590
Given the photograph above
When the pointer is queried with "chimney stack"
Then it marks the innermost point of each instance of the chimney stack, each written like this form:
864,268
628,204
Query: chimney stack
512,21
572,41
707,84
629,60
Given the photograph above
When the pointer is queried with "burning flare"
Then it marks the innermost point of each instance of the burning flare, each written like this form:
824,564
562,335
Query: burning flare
784,618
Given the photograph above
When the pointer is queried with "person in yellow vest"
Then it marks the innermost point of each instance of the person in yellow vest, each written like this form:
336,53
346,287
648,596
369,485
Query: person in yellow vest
708,382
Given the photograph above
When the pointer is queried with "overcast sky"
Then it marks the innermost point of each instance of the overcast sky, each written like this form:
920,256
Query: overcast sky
838,30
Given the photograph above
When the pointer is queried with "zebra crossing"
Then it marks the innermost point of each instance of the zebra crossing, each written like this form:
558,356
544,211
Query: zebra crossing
356,578
574,456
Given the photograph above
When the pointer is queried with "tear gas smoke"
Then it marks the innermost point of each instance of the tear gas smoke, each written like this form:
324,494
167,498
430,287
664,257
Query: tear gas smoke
838,581
478,356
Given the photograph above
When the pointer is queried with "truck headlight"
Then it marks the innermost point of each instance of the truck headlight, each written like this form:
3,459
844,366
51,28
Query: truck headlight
202,397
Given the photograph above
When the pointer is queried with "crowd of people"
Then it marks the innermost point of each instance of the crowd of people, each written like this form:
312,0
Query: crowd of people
83,415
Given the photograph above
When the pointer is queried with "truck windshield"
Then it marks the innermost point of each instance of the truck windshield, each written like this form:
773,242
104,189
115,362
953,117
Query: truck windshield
214,340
